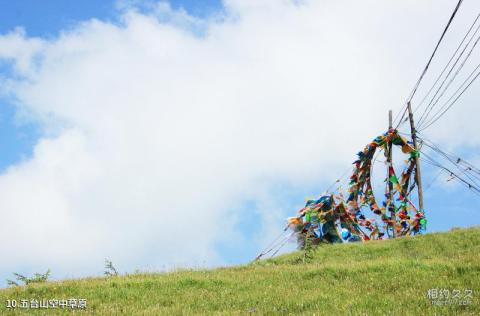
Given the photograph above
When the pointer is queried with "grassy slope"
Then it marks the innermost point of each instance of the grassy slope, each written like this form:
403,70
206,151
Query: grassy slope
376,278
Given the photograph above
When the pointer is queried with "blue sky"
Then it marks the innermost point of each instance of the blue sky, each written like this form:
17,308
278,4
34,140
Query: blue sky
39,19
47,19
282,152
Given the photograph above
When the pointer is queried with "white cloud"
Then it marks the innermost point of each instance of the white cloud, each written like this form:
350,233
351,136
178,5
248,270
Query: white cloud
14,47
154,132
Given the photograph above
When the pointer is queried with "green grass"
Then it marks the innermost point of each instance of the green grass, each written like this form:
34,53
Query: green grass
374,278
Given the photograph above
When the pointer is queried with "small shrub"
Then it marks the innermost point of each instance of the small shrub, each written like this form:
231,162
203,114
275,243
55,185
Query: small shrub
109,268
308,247
37,278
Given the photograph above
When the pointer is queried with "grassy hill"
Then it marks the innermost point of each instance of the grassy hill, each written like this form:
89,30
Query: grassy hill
374,278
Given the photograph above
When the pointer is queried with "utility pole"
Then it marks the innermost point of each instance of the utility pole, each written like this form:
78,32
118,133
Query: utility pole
418,175
391,206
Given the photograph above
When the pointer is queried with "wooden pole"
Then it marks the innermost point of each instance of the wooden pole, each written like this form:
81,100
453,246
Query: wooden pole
418,174
391,206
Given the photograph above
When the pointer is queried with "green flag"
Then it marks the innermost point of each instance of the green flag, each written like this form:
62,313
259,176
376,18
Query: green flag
393,179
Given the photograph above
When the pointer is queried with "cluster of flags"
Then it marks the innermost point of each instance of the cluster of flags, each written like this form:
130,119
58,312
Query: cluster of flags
332,218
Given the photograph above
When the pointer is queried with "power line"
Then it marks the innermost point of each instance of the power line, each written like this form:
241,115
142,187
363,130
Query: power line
401,118
432,102
454,162
446,66
473,188
433,181
449,156
470,176
453,159
412,94
431,161
417,84
440,113
459,160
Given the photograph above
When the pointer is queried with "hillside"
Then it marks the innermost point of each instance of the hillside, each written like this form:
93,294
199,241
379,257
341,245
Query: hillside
375,278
